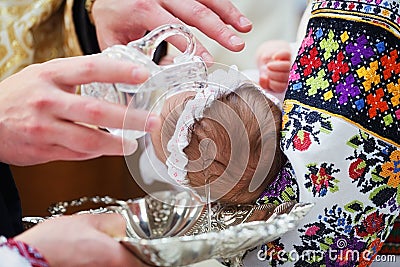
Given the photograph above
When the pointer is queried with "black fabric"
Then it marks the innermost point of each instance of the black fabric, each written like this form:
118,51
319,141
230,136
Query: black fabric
10,204
86,33
84,29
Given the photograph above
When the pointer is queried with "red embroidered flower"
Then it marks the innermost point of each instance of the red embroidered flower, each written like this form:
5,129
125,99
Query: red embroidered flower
273,251
321,178
338,67
311,61
312,230
371,225
302,140
357,168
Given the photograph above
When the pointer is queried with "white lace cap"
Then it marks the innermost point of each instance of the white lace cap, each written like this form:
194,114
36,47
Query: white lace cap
219,82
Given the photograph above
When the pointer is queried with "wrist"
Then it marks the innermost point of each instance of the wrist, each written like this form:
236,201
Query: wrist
18,253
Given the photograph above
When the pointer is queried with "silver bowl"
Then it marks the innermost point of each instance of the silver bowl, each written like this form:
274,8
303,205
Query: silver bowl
172,228
163,214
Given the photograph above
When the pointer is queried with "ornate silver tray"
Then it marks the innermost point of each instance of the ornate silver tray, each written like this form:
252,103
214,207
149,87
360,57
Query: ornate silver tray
171,228
228,245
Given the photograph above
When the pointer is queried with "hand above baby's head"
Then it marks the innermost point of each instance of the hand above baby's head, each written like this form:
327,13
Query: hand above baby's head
274,62
233,145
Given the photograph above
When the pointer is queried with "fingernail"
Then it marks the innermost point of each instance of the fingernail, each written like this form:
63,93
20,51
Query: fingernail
207,57
234,40
140,73
130,146
152,123
243,21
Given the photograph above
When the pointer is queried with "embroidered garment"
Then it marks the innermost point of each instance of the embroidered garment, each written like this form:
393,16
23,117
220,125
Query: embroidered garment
33,31
341,134
18,254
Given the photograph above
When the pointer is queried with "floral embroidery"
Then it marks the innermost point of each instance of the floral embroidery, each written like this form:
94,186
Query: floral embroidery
316,83
391,169
334,240
376,103
311,61
308,41
302,136
394,89
320,180
357,79
359,50
347,90
274,252
371,225
370,74
329,44
302,140
338,67
283,189
340,129
357,168
385,13
391,64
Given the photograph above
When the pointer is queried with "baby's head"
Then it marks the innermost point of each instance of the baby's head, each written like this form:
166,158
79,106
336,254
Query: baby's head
233,144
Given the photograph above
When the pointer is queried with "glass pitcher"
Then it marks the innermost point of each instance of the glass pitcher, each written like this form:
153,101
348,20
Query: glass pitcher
163,80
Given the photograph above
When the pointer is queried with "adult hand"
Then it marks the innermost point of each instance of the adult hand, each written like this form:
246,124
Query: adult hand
121,21
42,119
274,62
81,240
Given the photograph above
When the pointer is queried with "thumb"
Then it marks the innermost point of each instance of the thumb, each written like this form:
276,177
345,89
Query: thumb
112,224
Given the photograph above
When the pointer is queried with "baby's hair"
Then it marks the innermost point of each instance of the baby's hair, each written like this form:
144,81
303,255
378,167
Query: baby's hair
237,137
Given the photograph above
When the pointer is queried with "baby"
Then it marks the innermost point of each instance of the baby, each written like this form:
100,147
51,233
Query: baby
226,138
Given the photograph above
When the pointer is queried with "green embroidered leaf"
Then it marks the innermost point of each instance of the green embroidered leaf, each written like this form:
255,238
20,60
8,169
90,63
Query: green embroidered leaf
329,240
334,189
398,196
324,247
376,177
354,206
382,194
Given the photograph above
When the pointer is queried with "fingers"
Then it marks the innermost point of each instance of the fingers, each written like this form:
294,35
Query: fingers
283,55
96,68
57,152
100,113
275,75
279,66
276,86
229,14
90,142
267,57
200,16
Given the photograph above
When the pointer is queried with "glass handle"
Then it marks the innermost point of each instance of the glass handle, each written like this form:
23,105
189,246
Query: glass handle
148,44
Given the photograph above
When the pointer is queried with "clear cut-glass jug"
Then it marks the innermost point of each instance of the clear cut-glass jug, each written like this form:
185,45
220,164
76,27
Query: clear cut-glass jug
163,81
